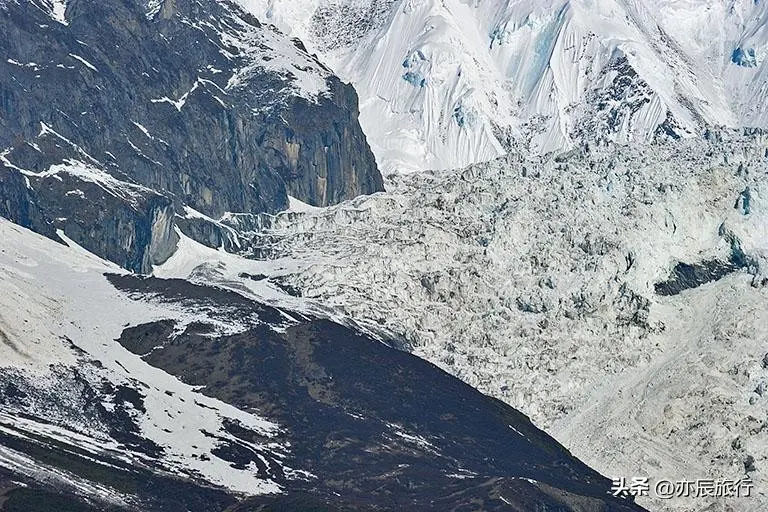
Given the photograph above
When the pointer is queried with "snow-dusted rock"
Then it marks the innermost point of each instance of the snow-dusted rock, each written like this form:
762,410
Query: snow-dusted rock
197,101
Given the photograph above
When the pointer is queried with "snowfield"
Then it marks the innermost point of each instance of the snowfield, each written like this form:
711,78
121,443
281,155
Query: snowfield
555,285
447,83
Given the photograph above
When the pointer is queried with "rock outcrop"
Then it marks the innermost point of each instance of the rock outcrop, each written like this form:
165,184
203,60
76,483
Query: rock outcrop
127,224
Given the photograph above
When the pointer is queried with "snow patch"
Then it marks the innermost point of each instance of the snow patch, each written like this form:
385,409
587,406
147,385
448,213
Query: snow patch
298,206
143,130
129,192
84,62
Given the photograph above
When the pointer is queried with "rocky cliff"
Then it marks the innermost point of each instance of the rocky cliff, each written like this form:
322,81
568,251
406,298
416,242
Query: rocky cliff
196,101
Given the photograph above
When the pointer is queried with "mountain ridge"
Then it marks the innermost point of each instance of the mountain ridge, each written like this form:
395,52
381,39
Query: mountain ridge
543,77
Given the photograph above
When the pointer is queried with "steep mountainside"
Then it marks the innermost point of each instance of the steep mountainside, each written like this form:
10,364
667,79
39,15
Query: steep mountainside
618,297
135,110
204,397
445,83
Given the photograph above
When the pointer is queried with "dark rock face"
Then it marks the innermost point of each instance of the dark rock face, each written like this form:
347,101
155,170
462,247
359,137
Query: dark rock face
195,100
124,223
378,428
20,203
210,233
685,276
136,231
333,157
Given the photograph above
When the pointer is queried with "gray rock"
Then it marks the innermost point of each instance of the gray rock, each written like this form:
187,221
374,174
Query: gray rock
212,234
744,202
124,223
185,108
20,203
686,276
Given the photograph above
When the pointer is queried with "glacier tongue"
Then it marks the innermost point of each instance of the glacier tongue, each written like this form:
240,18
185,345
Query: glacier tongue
617,296
447,83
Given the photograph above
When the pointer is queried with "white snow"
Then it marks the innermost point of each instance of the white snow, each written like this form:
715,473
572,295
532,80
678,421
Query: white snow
24,465
414,439
165,99
22,65
678,415
298,206
56,9
263,48
129,192
84,62
198,263
179,104
4,159
86,437
524,277
268,49
59,8
141,153
143,130
153,7
46,130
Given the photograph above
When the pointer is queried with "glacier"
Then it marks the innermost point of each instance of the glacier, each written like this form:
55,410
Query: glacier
617,296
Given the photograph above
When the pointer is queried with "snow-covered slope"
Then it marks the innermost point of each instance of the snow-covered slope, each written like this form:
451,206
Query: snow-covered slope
445,83
617,297
58,314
